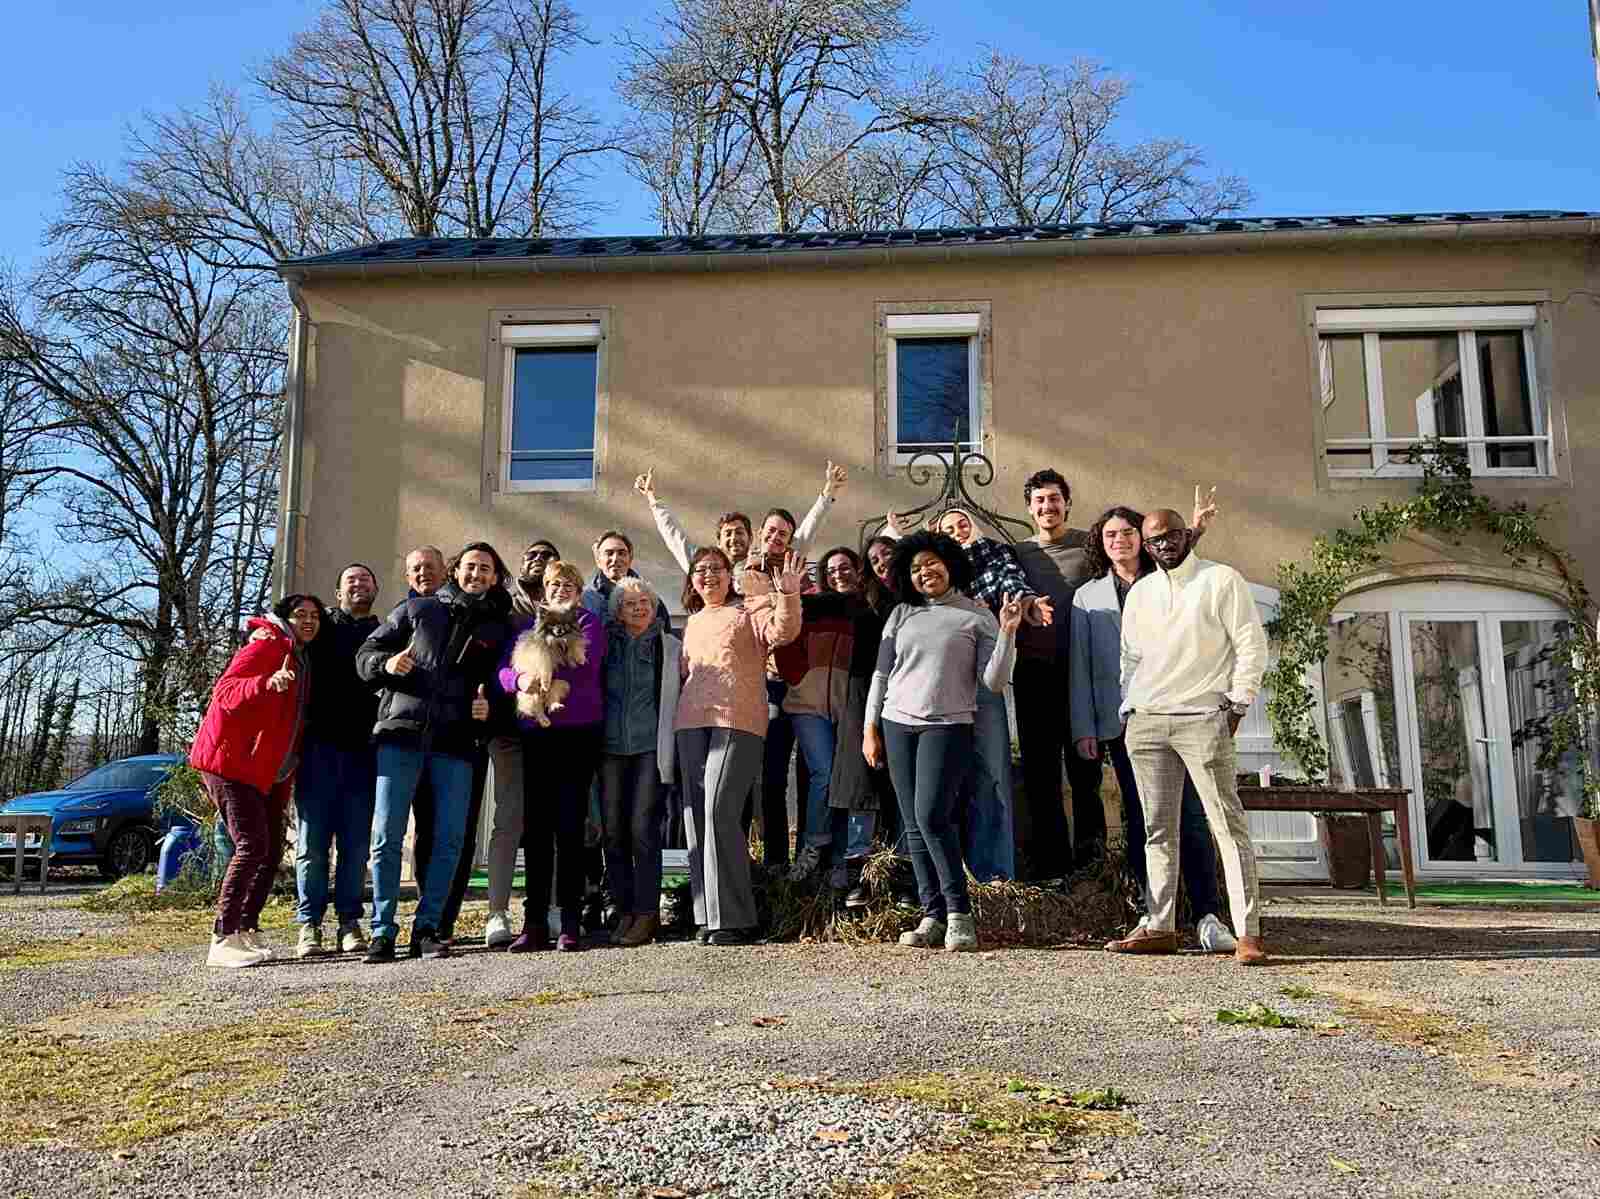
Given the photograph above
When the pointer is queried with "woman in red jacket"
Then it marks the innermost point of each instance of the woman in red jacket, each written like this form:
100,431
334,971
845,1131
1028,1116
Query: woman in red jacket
246,752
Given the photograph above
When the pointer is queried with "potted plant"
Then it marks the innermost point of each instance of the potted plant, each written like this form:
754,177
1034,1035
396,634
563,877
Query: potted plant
1588,829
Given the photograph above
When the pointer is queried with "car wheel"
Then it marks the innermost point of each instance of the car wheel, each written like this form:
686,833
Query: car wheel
129,852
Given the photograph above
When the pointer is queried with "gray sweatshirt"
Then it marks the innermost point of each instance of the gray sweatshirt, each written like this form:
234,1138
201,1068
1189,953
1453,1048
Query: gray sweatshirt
933,658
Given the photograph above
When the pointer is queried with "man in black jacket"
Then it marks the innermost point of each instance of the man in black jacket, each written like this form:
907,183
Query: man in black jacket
434,660
333,796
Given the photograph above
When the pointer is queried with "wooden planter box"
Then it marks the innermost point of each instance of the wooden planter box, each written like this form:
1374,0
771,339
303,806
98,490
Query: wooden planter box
1369,801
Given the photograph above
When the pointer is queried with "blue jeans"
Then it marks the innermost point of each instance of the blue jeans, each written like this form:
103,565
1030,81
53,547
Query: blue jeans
815,736
1197,860
399,769
989,835
333,802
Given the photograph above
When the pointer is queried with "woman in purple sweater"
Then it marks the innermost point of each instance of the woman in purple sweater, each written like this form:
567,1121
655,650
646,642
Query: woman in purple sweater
559,759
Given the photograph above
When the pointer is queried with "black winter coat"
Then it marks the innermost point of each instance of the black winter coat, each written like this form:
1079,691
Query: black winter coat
457,641
342,706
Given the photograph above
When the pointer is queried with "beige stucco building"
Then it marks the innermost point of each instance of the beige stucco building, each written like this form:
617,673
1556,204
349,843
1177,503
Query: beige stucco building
444,391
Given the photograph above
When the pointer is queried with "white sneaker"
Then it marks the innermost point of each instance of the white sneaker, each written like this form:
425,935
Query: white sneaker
1214,935
929,934
231,953
351,940
310,943
254,941
498,931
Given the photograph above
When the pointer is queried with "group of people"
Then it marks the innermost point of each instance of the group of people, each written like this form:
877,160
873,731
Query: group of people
882,673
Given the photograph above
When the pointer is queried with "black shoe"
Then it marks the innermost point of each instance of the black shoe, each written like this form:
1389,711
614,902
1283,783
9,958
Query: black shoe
702,934
379,951
425,943
734,936
857,896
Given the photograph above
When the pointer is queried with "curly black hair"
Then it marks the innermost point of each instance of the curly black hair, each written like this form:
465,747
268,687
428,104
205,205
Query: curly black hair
942,546
289,603
1099,564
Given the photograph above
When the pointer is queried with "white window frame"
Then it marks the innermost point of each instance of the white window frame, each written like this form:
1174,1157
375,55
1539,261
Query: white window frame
514,337
910,326
1466,321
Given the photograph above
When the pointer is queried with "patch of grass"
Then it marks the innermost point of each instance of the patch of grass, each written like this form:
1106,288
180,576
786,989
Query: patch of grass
641,1088
548,998
1259,1015
112,1094
1296,991
137,893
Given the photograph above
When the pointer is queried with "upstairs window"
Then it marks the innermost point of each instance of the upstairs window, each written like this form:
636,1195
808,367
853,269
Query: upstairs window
1392,378
551,379
934,383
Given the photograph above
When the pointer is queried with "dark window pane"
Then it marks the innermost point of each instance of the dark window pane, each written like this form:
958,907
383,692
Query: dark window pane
932,390
1507,406
553,399
566,466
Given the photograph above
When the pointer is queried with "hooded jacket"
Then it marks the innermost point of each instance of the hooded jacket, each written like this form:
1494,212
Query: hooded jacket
456,639
250,730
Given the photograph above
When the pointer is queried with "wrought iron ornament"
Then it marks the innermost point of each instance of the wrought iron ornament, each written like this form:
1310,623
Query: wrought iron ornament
953,491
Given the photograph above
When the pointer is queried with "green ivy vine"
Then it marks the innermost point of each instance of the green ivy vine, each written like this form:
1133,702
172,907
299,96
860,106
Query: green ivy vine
1445,504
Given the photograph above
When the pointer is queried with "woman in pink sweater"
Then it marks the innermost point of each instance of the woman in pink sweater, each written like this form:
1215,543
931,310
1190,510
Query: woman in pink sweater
721,727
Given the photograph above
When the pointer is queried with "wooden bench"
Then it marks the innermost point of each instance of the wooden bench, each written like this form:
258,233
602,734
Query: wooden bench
21,825
1370,801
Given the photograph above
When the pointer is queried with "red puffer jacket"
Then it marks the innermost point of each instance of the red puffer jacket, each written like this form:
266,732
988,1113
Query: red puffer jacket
248,727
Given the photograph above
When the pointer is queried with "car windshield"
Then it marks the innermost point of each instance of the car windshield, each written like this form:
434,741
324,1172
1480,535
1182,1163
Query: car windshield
121,776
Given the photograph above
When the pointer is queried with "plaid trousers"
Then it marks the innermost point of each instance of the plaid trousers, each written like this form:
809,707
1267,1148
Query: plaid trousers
1160,748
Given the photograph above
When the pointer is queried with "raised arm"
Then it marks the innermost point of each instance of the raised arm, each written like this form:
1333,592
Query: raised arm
833,481
779,622
671,529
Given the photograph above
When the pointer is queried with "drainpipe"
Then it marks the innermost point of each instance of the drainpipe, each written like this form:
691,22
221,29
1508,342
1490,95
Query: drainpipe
291,520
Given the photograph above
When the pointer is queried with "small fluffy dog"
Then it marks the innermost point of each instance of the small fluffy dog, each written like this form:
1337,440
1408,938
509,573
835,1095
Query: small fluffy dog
554,643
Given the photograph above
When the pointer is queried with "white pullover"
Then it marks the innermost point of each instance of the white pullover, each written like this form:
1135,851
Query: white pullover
1192,641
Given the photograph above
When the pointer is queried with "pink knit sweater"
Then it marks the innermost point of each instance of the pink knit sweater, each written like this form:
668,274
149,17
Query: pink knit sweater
725,662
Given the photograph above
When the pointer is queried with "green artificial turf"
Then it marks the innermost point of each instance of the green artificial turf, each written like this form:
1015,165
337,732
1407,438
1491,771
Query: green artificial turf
1495,892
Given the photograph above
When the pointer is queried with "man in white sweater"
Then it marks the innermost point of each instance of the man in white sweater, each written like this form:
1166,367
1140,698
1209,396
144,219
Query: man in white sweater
1193,653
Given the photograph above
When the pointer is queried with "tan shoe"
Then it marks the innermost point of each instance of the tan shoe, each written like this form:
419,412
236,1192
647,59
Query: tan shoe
1251,951
619,935
1145,939
641,931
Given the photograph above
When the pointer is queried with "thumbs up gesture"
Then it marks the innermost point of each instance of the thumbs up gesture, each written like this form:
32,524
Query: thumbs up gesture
283,676
404,662
480,705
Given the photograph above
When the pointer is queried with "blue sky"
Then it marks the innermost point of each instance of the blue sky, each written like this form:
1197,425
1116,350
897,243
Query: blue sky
1355,106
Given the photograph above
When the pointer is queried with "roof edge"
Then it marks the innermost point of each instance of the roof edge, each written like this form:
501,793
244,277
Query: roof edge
1544,229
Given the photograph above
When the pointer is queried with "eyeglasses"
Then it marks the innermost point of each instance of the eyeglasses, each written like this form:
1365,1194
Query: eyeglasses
540,554
1171,537
708,572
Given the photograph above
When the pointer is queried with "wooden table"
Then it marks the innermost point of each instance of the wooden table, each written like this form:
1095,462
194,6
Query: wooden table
22,825
1370,801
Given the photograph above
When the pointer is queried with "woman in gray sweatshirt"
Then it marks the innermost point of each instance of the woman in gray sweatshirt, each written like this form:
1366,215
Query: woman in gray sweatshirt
938,648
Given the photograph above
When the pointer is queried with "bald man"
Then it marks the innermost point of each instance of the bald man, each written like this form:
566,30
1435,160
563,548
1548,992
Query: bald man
1193,654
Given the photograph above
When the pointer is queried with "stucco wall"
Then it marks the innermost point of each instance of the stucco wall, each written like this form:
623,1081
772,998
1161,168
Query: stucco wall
1136,376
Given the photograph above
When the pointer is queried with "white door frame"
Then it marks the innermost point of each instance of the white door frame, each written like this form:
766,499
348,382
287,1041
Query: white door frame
1486,606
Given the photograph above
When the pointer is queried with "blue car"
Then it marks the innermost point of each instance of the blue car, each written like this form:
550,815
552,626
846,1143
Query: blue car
103,819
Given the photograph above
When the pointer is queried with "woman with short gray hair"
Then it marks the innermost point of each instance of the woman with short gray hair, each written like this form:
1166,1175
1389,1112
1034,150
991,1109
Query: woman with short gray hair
641,698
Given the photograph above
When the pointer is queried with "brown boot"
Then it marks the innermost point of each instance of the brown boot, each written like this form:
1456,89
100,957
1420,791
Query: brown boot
1251,951
1145,940
619,935
641,932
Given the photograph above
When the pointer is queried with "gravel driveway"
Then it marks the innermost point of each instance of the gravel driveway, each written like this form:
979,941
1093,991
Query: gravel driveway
1441,1053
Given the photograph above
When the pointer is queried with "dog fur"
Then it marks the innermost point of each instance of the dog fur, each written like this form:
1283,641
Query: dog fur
553,643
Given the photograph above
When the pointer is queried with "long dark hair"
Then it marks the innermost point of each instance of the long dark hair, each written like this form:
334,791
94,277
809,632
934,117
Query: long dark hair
692,602
1099,564
501,572
944,547
879,595
289,603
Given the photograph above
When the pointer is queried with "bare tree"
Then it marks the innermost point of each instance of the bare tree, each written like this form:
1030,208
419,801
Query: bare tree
1036,144
777,65
687,146
163,374
452,107
880,183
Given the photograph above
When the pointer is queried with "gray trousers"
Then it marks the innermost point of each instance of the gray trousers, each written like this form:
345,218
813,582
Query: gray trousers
1161,748
505,766
630,798
719,765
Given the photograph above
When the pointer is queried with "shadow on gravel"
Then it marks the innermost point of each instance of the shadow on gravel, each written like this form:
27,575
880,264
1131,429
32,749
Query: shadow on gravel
1295,939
